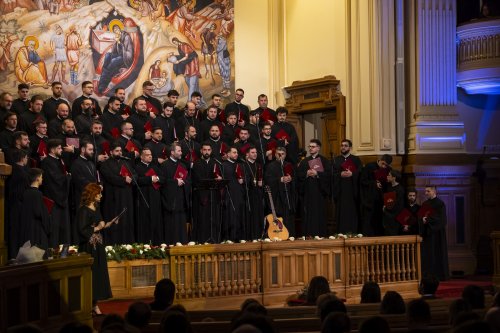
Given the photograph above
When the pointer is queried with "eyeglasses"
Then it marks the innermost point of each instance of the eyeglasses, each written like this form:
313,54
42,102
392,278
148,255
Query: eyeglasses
313,146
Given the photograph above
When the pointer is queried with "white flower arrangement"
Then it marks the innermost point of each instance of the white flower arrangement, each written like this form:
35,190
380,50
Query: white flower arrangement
291,239
243,241
178,244
191,243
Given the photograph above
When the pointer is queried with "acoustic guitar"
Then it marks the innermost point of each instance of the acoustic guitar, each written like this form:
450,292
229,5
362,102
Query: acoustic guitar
275,226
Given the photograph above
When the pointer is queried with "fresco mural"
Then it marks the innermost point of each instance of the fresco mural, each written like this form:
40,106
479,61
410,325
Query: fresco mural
187,45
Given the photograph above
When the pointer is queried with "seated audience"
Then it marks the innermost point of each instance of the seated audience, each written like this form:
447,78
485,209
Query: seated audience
111,319
474,327
392,303
493,318
370,293
175,321
419,314
456,307
428,287
474,295
26,328
465,317
138,314
374,325
247,302
164,295
330,305
318,286
263,323
76,327
336,322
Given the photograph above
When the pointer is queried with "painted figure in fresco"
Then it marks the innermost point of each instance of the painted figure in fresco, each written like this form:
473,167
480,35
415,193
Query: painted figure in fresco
187,64
73,44
208,49
121,56
57,46
224,62
54,6
28,65
155,71
182,18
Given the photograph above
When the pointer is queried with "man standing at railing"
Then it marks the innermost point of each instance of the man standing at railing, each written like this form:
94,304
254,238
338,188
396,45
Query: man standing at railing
432,228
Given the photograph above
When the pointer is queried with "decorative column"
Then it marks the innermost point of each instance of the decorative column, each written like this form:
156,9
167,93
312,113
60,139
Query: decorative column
434,124
5,170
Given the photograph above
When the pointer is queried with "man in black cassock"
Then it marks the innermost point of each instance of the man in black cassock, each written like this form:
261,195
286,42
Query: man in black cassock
434,252
269,144
265,113
117,177
130,147
112,119
83,122
234,199
189,146
243,143
69,150
141,120
149,226
346,169
187,119
15,186
51,104
219,147
280,177
314,177
290,141
231,130
239,109
175,196
27,119
83,172
101,145
159,150
55,124
372,183
38,144
10,127
209,121
56,188
254,203
391,208
152,104
411,225
206,205
35,219
166,122
87,91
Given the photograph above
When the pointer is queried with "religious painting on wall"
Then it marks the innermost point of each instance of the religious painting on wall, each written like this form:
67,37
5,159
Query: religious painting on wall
187,45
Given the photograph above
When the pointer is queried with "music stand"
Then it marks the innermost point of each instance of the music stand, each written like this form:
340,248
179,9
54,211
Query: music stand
212,185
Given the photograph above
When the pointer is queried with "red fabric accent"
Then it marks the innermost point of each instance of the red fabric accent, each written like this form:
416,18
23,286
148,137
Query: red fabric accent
124,172
349,165
148,127
180,172
105,148
282,135
49,203
151,173
130,146
42,149
115,132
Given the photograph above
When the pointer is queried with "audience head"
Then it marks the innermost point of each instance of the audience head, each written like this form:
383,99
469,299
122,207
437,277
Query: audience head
493,318
76,327
392,303
456,307
248,302
474,327
336,322
26,328
263,323
496,300
428,285
138,314
164,293
465,317
35,175
419,313
370,293
175,321
330,305
474,295
112,319
318,286
374,325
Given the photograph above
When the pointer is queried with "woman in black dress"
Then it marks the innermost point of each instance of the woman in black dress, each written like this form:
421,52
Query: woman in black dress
89,223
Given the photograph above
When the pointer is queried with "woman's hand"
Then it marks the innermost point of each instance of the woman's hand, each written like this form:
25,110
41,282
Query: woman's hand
100,226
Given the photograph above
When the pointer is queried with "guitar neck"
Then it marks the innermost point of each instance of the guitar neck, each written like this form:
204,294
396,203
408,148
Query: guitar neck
272,205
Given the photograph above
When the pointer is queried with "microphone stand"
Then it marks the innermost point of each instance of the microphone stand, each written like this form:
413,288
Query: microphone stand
135,183
261,147
286,185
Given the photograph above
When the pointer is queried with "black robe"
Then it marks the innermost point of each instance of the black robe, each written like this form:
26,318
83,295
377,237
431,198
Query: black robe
34,156
26,121
139,121
391,225
69,157
234,203
241,110
76,109
35,220
158,150
123,143
56,181
229,134
254,202
111,123
314,193
153,105
167,126
284,194
371,201
412,221
54,127
15,186
190,152
205,126
50,106
292,148
149,226
182,122
175,203
434,247
219,148
86,220
206,203
117,195
346,195
20,106
6,138
83,124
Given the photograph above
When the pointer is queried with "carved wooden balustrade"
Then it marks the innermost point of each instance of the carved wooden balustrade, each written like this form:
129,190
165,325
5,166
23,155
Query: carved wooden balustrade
223,275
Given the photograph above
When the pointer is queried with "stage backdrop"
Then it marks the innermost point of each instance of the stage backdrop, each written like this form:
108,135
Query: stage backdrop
185,45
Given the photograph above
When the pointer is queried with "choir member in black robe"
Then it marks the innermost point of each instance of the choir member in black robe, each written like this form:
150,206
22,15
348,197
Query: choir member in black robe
56,187
209,121
372,182
253,173
117,177
175,195
188,119
159,150
269,144
15,186
280,177
149,226
152,104
26,123
87,91
167,124
314,177
22,103
266,114
243,143
206,203
240,110
70,142
51,104
83,122
285,132
190,148
172,97
141,120
101,145
7,134
90,224
123,109
83,172
410,226
34,217
254,129
231,130
217,102
112,119
391,208
38,144
219,147
130,147
55,124
433,231
346,169
234,197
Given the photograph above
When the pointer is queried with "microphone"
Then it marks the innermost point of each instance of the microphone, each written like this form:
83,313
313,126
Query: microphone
123,158
216,160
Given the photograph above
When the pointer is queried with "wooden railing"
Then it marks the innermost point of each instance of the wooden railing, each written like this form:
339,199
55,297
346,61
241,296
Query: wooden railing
208,275
495,239
478,45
